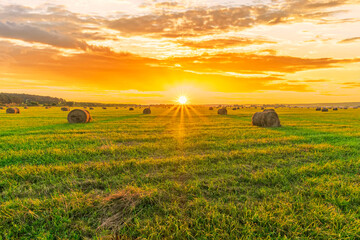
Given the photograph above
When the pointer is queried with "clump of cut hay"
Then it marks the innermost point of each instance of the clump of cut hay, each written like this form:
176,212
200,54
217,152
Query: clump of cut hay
104,108
25,107
117,108
267,118
234,109
318,109
65,109
131,109
324,110
1,108
222,111
47,107
147,111
14,110
91,108
211,108
79,116
122,207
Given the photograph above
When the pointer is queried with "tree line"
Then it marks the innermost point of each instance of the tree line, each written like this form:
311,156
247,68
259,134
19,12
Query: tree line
30,100
21,99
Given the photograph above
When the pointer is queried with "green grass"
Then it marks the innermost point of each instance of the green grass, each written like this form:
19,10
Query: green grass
190,174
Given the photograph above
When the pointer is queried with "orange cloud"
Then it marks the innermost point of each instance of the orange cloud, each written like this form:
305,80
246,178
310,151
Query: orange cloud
350,40
109,70
351,85
251,63
222,43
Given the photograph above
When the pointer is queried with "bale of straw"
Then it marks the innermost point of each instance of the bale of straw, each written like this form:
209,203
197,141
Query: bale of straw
104,108
211,108
234,109
147,111
79,116
335,109
91,108
324,109
13,110
267,118
222,111
1,108
318,109
131,109
25,107
65,109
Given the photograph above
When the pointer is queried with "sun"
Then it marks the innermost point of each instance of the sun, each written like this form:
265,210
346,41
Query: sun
182,100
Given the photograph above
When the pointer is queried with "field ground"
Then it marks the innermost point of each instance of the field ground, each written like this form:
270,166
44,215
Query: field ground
184,173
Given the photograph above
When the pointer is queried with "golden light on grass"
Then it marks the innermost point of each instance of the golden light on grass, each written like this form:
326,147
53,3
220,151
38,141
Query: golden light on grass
182,100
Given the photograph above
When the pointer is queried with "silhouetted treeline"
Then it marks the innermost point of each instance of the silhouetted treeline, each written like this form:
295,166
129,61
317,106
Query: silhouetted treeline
36,100
27,99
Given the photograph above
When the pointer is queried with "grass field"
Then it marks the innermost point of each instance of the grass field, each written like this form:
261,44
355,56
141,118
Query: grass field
183,173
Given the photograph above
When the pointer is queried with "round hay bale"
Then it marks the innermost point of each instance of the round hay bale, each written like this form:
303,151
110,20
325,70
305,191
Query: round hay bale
1,108
324,110
211,108
234,109
47,107
104,108
65,109
131,109
91,108
25,107
318,109
335,109
269,110
79,116
117,108
266,119
222,111
147,111
13,110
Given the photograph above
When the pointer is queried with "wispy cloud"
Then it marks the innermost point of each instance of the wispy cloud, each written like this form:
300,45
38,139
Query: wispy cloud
350,40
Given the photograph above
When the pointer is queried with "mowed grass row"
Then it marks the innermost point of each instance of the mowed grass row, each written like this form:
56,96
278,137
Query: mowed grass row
179,173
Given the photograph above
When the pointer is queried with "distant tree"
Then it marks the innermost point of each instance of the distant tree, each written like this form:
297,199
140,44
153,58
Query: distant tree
32,103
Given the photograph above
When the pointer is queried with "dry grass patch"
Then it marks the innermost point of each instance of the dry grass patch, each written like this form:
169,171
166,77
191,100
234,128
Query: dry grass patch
121,207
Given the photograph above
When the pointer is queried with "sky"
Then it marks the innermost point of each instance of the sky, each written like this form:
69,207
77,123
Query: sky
153,51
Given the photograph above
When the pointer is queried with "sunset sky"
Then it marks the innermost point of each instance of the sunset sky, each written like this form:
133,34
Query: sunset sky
152,51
